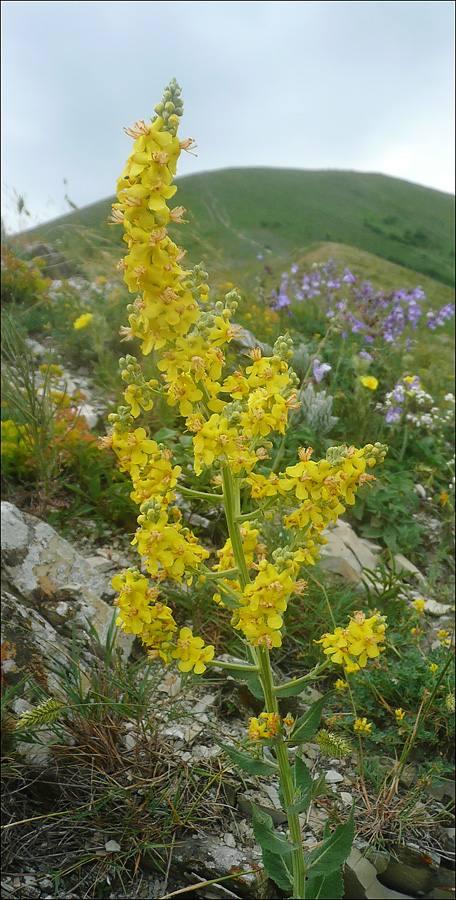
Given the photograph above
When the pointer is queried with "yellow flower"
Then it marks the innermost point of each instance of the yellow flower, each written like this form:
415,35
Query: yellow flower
419,605
82,321
360,639
362,726
192,652
370,382
434,668
444,637
340,685
267,728
400,714
352,668
443,498
256,729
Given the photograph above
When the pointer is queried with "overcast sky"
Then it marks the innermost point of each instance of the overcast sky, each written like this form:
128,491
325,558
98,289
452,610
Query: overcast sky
313,85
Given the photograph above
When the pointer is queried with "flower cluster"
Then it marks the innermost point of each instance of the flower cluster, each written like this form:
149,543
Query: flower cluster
408,403
362,726
352,646
265,727
358,308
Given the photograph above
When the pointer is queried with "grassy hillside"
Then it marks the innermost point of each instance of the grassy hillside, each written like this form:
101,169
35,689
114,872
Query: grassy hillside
236,213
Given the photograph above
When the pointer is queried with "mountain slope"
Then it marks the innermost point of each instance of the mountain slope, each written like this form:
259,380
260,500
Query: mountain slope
236,213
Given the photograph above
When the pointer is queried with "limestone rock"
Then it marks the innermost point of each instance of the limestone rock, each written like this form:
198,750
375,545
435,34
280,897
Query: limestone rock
361,882
346,553
53,579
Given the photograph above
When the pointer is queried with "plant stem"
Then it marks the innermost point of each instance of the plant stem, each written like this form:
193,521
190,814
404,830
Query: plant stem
261,658
285,775
199,495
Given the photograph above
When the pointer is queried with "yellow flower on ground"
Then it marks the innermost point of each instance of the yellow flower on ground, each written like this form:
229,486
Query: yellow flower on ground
82,321
400,714
340,685
370,382
362,726
443,498
434,668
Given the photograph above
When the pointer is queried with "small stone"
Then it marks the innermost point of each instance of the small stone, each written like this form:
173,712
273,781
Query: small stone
346,798
229,840
112,847
332,777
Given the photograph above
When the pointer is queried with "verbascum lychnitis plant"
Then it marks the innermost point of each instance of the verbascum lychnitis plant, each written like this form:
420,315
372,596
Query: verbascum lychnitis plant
230,416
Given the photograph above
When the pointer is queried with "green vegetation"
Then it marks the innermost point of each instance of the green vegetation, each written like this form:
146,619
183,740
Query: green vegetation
53,467
235,213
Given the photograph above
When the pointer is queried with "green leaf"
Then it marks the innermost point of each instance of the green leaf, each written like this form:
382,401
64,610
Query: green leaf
263,829
325,887
332,852
292,691
278,870
306,726
254,685
164,434
319,786
303,784
247,763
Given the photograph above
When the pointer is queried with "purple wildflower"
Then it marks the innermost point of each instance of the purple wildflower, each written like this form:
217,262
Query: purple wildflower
348,277
393,415
319,369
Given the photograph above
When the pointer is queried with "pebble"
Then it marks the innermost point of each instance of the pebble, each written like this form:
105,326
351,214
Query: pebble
229,839
332,776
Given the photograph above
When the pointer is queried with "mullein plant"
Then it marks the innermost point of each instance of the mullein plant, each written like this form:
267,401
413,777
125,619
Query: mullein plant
230,416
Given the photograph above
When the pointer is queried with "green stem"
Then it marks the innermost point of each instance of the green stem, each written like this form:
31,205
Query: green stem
261,658
232,667
286,777
404,443
209,575
283,688
232,509
199,495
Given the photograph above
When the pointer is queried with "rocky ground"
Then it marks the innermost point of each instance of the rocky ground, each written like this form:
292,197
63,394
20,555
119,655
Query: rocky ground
53,591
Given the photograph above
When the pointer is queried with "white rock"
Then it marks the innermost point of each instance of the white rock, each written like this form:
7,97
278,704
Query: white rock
332,777
202,705
170,685
89,414
402,564
436,609
346,798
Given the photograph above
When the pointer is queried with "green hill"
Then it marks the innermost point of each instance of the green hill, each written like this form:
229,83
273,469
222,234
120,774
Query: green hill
236,213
